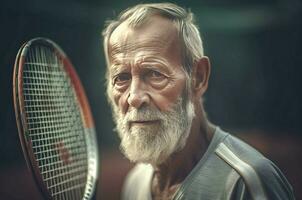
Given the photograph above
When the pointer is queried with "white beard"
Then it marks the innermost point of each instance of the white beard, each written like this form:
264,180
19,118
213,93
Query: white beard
154,143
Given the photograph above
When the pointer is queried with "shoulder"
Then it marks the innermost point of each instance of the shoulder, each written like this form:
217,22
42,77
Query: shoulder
262,177
137,182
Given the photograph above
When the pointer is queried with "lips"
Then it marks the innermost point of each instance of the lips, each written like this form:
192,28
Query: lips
144,123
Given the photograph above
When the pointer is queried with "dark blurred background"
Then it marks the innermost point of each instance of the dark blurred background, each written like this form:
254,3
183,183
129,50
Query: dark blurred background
255,47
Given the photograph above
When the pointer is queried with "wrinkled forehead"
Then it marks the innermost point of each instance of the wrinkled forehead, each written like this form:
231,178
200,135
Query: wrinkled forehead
155,33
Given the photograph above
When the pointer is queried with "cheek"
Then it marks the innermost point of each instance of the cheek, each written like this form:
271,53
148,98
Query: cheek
166,98
116,96
120,99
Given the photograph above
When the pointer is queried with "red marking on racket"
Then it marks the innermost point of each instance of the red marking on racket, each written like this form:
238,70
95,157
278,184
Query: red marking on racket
63,153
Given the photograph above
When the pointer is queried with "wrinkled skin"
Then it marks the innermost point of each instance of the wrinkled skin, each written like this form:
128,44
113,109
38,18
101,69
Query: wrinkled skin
146,66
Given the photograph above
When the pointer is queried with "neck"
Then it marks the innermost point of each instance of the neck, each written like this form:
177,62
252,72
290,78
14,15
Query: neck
170,174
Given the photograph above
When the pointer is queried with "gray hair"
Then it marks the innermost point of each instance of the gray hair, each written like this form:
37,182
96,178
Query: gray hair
192,48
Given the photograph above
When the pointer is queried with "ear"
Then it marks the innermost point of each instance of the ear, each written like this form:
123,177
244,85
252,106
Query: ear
200,77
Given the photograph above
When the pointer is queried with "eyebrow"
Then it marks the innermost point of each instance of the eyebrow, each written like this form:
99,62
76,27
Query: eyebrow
150,62
114,69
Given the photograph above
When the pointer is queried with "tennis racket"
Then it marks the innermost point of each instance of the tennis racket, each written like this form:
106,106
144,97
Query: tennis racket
55,124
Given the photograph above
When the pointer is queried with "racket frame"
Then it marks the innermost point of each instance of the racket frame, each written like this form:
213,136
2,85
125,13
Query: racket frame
20,113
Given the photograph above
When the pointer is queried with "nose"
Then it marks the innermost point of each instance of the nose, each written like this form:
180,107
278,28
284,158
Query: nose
138,95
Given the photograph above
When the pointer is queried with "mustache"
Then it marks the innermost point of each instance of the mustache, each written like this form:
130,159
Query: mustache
144,114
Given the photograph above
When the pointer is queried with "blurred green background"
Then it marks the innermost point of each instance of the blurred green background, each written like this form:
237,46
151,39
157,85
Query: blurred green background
255,47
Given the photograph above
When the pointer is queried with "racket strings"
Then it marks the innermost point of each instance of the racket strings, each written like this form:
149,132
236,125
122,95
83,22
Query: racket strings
55,127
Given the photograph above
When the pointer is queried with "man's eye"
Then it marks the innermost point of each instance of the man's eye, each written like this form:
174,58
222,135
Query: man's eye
155,74
156,79
121,79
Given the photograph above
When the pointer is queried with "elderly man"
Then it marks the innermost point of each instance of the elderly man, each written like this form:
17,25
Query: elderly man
156,77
